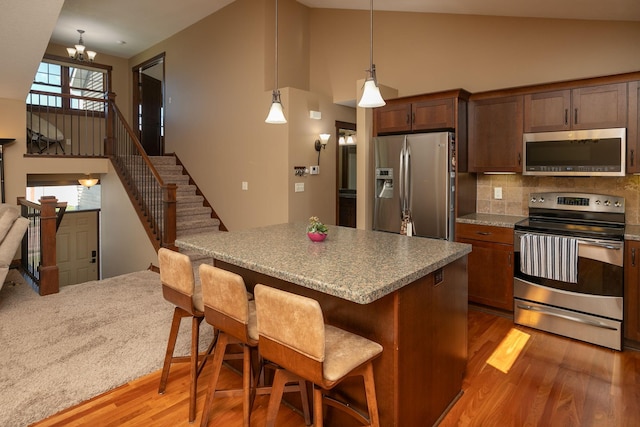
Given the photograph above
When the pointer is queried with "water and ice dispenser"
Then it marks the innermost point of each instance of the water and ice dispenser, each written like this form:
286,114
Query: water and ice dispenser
384,183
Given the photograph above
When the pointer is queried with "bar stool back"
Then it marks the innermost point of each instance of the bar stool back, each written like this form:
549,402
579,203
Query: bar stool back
179,288
228,309
292,333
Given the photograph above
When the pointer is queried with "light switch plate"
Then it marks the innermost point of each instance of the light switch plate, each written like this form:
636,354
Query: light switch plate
497,193
299,187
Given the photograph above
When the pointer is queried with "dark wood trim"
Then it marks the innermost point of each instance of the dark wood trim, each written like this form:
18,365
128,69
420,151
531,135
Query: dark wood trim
554,86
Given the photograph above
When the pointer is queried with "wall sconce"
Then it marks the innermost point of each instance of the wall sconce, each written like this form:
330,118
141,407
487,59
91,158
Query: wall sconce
322,143
88,181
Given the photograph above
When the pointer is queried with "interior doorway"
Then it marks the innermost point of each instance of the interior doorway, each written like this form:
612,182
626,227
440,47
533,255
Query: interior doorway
148,104
346,173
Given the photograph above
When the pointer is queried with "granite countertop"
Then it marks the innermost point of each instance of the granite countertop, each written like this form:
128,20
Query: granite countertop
491,219
632,232
357,265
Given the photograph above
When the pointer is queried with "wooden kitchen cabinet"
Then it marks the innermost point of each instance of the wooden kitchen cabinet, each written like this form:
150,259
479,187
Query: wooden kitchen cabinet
631,324
633,129
415,116
490,264
495,134
591,107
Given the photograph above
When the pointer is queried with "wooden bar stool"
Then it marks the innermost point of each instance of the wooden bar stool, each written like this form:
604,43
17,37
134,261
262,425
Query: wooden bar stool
179,288
292,334
228,309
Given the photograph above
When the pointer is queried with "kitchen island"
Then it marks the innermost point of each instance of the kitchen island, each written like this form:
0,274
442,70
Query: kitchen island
408,294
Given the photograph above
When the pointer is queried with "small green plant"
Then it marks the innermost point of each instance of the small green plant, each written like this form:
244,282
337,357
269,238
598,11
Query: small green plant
315,226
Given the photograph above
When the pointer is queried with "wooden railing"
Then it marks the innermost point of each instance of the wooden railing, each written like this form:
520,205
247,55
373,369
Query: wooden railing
38,250
155,201
91,132
54,128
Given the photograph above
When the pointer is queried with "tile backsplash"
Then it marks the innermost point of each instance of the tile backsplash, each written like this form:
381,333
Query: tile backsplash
516,190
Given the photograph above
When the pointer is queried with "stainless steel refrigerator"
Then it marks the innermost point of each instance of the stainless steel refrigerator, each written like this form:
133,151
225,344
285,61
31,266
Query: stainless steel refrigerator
414,185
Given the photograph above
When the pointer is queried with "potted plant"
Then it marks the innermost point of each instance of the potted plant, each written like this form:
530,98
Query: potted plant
316,230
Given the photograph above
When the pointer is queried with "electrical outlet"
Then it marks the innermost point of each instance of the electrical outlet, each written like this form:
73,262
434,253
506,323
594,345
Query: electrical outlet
315,170
497,193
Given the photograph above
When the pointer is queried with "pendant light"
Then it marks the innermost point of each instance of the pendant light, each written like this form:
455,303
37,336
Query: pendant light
276,115
371,96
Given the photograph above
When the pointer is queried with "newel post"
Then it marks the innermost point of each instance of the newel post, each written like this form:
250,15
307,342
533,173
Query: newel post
109,139
49,274
169,202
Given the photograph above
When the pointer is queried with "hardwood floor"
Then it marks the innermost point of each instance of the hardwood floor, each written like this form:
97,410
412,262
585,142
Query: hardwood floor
554,381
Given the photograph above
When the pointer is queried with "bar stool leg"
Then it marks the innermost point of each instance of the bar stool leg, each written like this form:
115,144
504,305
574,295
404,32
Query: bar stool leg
178,314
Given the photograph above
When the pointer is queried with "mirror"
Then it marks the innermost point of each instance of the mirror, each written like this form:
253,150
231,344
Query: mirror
346,173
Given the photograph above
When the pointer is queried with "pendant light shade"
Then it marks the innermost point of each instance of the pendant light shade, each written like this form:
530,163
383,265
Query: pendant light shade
276,113
371,96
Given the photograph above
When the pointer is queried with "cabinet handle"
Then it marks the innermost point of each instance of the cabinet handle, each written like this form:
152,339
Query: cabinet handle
566,116
484,233
519,158
632,160
575,116
413,117
509,259
633,257
408,119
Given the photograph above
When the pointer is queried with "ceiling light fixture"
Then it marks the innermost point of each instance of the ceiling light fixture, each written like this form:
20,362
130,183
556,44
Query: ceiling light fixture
79,52
276,115
88,182
371,96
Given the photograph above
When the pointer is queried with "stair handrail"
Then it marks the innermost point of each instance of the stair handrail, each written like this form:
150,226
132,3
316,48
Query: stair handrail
155,200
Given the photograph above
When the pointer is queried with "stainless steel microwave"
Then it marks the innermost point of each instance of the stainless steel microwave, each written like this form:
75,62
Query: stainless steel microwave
595,152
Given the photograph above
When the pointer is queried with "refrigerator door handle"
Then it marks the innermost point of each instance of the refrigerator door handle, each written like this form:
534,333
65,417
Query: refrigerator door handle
407,179
401,177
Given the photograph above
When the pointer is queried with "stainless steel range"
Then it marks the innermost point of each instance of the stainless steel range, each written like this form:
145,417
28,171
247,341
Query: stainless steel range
568,269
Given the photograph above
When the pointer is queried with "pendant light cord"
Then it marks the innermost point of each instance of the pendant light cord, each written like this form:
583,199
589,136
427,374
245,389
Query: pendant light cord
371,37
276,59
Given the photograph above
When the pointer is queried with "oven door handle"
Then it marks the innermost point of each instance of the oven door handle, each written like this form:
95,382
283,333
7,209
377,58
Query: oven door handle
600,245
566,316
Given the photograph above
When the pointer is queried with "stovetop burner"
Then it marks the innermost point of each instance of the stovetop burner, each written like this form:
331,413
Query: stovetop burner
575,214
571,228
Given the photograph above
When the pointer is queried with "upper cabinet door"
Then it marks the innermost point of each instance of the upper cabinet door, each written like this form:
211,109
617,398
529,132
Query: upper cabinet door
592,107
599,107
547,111
393,118
495,134
633,130
433,114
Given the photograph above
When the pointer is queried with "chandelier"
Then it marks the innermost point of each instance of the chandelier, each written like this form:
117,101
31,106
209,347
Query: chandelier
79,52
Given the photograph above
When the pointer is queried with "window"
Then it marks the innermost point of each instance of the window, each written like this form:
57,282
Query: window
55,78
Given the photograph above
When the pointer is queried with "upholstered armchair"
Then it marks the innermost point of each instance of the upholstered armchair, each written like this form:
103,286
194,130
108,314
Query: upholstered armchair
12,229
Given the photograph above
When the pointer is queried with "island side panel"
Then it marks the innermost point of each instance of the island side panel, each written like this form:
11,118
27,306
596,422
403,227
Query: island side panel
423,330
432,355
376,321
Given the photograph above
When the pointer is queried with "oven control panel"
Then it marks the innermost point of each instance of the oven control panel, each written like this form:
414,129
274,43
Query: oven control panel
577,201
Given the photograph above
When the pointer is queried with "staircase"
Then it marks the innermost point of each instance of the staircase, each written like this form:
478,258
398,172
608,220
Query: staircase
192,215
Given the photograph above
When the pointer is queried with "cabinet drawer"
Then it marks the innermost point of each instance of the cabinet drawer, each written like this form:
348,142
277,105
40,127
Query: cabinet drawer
487,233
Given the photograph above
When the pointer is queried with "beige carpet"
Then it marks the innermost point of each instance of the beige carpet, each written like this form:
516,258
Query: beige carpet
62,349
